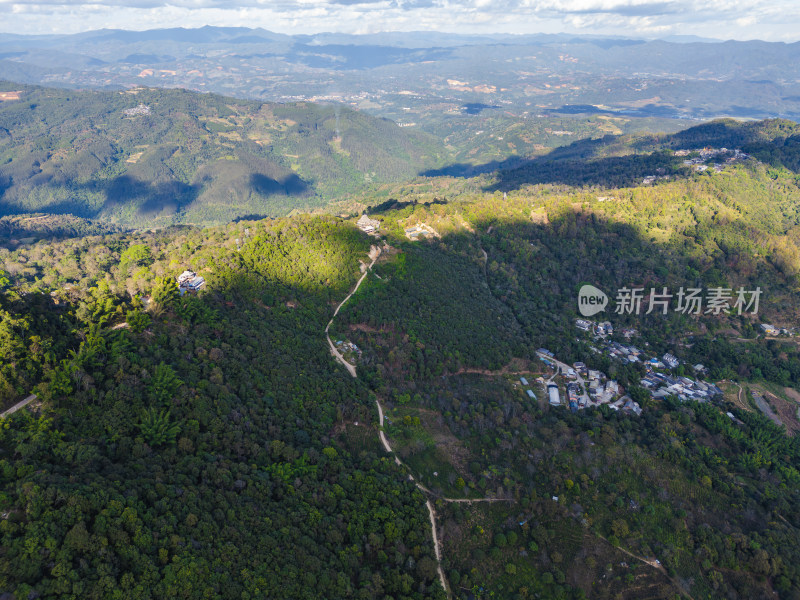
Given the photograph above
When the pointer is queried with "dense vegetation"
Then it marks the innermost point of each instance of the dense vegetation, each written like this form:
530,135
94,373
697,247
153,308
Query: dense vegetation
659,485
206,449
208,445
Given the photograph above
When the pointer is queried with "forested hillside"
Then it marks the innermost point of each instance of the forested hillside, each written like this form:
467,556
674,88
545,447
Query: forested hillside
205,447
614,161
156,157
208,445
582,493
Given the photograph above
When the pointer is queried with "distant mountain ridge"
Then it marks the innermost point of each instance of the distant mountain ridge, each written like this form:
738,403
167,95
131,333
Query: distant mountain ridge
384,73
152,158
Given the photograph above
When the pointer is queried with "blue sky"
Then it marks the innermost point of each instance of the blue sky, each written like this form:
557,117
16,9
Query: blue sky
776,20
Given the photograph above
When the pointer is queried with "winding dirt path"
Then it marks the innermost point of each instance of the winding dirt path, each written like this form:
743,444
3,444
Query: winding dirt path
651,562
350,368
437,548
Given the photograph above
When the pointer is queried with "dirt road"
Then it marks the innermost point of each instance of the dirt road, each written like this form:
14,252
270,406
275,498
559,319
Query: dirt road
17,406
385,442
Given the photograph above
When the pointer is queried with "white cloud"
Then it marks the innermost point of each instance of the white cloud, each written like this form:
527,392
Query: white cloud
738,19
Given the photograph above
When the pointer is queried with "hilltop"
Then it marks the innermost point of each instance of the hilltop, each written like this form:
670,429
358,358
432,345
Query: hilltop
153,158
149,157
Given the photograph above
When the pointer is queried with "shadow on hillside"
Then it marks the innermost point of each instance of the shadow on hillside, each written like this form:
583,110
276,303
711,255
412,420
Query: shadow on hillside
290,185
15,229
648,110
604,162
476,108
393,204
449,306
543,267
467,170
137,197
580,149
523,292
250,217
580,163
151,199
56,208
611,172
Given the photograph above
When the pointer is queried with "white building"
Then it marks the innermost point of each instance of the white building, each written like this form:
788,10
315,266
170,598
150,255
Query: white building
368,225
189,281
552,392
670,360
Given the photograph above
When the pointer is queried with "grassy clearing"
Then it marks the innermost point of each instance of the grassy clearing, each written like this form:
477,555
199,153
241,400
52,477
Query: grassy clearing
431,451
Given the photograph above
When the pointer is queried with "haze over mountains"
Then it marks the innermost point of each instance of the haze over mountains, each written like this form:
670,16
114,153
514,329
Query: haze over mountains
416,77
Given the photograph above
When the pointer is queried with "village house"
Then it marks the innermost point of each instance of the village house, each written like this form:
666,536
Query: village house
604,328
769,329
552,392
368,225
189,281
670,360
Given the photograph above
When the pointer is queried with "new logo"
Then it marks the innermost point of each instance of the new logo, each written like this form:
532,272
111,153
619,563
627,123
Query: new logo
591,300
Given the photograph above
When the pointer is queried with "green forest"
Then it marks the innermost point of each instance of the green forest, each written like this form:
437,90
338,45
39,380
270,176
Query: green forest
184,157
208,445
205,446
444,324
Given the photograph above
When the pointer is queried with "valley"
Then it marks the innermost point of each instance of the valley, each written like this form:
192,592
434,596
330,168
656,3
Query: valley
220,439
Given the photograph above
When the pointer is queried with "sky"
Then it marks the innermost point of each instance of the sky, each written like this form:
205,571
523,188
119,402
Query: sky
771,20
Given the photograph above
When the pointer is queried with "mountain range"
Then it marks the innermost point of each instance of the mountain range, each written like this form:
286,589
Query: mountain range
426,72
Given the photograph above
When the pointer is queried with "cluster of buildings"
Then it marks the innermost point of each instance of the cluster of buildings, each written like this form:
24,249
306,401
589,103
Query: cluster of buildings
345,346
662,385
602,329
625,353
419,231
698,159
585,387
628,353
368,225
658,383
189,281
142,109
707,154
599,389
